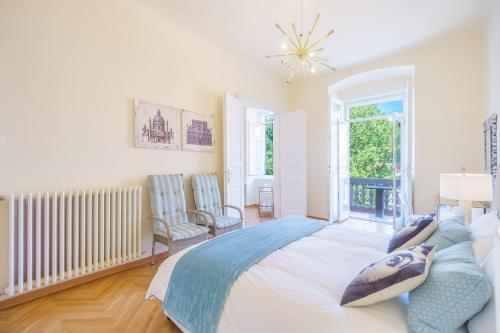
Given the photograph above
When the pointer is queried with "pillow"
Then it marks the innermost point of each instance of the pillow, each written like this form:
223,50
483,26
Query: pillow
485,321
413,234
483,231
449,232
455,290
398,272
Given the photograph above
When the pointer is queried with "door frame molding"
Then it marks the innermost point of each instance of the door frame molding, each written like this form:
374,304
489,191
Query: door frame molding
254,103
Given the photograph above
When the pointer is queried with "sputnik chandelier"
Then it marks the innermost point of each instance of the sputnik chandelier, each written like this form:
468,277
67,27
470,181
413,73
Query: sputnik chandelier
300,54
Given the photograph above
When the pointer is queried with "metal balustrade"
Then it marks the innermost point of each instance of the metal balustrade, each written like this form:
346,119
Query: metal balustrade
362,198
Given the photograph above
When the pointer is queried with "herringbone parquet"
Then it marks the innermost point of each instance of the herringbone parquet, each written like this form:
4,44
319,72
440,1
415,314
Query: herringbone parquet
111,304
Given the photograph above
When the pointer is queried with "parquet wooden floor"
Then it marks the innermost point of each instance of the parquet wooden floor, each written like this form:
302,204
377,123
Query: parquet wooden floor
111,304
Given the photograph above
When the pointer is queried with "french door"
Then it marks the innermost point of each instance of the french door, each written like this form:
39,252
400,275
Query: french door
378,181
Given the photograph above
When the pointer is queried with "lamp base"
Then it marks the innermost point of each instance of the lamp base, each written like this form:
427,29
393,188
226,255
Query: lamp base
466,209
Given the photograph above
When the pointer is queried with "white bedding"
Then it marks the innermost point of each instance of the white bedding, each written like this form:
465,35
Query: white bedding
299,288
304,280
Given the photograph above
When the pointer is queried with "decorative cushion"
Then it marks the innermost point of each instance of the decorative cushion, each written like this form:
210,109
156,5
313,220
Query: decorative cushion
188,230
484,321
398,272
206,193
483,230
413,234
167,198
455,290
449,232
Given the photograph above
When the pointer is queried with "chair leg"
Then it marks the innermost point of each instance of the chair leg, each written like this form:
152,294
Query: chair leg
153,252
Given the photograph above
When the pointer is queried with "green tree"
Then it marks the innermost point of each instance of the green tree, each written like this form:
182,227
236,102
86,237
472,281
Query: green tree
370,144
269,149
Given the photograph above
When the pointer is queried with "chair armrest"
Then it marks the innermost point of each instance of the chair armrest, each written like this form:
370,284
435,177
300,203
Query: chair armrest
199,213
237,208
165,223
210,215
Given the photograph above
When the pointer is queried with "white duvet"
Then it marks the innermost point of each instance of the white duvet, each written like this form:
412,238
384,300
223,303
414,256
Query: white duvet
299,287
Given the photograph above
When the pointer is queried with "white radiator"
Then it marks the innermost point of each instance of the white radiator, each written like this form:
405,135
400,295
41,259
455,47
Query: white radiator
62,235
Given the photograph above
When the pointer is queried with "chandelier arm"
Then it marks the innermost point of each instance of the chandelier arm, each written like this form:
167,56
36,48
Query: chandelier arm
292,63
309,65
311,31
287,60
279,55
293,66
290,77
286,35
325,36
321,62
299,40
320,58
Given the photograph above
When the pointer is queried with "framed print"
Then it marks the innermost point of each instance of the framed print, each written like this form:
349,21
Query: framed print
198,131
156,126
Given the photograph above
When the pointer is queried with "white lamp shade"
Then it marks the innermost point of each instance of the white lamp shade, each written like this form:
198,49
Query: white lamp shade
466,187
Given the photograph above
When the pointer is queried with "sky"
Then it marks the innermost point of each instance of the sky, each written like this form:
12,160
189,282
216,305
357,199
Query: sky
390,107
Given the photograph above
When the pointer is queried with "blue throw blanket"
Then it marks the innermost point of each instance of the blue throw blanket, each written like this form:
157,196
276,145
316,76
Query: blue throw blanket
203,277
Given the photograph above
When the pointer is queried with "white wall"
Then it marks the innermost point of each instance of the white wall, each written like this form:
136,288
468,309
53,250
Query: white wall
494,58
69,72
450,104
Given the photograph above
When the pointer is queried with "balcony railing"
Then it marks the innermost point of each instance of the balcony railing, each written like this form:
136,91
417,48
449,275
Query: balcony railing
362,198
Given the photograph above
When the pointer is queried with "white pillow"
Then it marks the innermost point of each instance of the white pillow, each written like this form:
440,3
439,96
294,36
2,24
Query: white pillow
484,321
483,231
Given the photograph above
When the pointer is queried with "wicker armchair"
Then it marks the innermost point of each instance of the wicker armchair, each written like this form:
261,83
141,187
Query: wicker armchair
171,225
207,200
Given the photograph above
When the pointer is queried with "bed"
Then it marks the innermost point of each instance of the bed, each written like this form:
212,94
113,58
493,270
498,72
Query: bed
298,288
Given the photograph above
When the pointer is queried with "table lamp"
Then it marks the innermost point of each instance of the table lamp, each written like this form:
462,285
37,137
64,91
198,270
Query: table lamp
466,187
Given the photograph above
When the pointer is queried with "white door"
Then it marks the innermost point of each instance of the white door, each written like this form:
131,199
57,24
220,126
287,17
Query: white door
334,165
234,173
343,171
293,163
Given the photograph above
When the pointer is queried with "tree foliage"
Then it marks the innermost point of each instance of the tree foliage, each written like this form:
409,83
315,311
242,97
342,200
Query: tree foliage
370,144
269,149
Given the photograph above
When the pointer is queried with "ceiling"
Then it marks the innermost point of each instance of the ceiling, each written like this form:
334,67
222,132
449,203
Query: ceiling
364,29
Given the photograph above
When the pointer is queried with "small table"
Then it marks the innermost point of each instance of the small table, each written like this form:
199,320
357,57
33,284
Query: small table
379,198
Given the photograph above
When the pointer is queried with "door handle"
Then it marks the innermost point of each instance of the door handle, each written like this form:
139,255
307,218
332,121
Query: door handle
228,175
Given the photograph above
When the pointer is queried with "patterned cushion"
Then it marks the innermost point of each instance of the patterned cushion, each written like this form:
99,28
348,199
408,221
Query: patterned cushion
226,221
398,272
188,230
449,232
167,199
413,234
455,290
206,193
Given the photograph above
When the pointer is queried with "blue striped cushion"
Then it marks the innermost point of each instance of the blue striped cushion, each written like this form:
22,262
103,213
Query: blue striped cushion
206,193
167,200
188,230
225,221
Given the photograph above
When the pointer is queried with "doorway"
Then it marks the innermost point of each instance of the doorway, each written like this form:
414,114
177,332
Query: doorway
369,150
259,165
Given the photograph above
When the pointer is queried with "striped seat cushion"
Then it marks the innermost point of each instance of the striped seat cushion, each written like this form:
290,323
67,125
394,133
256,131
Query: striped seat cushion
167,200
188,230
226,221
206,193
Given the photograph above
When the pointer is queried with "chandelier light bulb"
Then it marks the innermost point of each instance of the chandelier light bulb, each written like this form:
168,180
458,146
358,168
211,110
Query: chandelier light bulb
313,70
284,45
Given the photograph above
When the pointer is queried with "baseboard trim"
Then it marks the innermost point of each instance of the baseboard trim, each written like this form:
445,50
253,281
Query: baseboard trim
10,301
317,218
252,206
